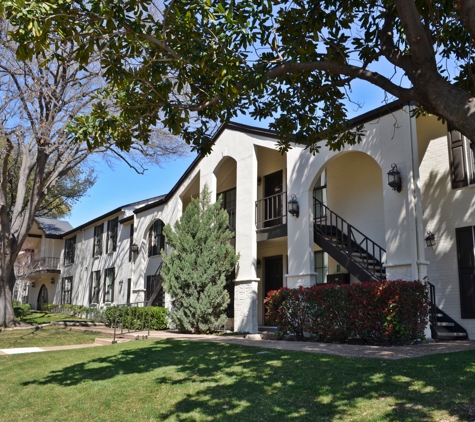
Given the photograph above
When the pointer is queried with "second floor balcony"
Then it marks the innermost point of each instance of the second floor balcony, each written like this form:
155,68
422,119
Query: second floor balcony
271,211
43,265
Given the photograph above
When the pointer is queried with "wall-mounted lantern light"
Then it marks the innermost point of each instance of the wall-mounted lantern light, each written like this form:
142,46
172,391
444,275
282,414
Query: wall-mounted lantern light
134,248
258,264
52,280
33,284
121,282
394,178
259,180
293,206
430,239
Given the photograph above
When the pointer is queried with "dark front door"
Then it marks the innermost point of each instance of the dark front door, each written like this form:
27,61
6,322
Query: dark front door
42,297
466,265
274,274
273,189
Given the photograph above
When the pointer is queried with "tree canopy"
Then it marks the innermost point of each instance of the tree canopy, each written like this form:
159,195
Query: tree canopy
195,64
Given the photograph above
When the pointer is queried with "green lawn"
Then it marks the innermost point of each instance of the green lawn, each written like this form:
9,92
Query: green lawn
188,381
45,336
39,317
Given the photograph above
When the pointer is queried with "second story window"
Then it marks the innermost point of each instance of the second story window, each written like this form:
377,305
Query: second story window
95,286
156,240
69,249
98,231
112,229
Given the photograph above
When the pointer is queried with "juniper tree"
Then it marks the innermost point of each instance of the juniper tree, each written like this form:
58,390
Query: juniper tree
195,271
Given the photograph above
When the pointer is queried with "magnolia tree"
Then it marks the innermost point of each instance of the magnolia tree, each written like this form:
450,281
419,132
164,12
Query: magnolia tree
196,63
40,163
195,270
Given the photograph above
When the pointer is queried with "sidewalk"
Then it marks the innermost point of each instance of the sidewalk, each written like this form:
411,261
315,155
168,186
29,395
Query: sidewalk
346,350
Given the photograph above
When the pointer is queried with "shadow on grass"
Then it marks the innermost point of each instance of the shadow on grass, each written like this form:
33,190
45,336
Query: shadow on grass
222,382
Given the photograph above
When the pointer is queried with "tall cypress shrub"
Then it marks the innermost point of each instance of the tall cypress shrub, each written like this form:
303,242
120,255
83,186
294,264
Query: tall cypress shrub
194,272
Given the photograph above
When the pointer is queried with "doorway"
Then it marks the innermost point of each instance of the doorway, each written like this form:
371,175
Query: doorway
274,274
42,298
466,266
273,189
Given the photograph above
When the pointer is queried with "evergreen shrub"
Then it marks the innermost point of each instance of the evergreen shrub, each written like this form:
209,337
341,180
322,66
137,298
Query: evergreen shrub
380,312
21,311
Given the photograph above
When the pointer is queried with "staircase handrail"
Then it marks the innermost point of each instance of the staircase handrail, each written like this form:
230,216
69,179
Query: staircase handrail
433,305
346,229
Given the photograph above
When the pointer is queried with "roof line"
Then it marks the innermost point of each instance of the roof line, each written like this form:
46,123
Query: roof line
252,130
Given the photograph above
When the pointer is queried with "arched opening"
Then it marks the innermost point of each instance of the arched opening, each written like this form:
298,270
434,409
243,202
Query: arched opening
42,297
348,212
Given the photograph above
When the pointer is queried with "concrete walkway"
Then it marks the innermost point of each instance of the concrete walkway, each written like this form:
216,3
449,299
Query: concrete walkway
346,350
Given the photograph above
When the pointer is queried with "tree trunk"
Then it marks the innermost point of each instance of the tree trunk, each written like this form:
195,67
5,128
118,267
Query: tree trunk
7,281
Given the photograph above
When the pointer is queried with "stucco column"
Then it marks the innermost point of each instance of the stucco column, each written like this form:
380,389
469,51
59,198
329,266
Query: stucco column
246,283
300,245
402,210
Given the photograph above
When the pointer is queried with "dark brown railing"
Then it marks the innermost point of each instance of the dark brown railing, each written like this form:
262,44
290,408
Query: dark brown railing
271,211
433,306
359,247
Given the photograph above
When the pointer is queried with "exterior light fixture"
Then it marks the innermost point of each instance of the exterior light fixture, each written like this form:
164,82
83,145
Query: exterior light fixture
134,248
259,180
394,178
33,284
121,282
430,239
52,280
293,206
258,264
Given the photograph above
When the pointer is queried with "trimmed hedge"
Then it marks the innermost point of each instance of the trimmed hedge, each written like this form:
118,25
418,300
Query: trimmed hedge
133,319
20,310
384,312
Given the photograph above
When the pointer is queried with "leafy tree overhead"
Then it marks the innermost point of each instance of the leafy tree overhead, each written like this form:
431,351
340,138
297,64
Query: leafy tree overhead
195,63
195,270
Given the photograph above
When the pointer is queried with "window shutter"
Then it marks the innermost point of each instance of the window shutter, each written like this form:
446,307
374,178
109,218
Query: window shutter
457,159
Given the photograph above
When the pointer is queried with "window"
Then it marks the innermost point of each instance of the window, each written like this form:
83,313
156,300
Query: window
95,286
321,266
69,248
98,231
66,290
462,159
229,204
112,229
131,241
156,240
109,285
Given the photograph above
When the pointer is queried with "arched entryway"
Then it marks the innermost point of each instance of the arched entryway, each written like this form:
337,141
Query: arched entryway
42,297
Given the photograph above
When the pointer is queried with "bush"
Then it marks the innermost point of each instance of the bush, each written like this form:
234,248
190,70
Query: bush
136,318
22,311
390,311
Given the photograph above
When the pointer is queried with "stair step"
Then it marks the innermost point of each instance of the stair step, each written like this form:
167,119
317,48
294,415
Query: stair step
445,324
449,334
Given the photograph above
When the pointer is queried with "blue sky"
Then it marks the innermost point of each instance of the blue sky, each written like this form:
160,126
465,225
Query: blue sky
120,185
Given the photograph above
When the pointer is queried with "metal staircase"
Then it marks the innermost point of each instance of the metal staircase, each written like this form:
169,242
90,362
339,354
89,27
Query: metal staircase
442,326
347,245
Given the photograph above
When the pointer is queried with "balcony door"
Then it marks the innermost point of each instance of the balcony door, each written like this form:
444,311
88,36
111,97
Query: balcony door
466,266
273,189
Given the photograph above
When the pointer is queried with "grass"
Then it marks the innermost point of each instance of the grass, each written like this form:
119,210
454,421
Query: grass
189,381
39,317
45,336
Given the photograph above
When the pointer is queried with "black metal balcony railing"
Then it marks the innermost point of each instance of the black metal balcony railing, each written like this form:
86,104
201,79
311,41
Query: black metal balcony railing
271,211
41,264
